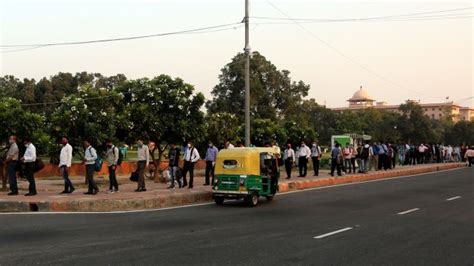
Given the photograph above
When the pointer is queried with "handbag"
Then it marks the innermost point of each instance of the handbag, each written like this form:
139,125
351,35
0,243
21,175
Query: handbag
134,177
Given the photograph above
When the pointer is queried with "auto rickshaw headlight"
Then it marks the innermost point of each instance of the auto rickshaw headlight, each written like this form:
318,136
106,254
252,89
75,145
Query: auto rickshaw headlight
242,179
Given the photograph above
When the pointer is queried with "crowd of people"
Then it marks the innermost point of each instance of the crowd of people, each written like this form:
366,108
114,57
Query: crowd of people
385,155
348,159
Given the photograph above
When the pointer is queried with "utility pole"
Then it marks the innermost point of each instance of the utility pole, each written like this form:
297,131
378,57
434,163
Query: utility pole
247,75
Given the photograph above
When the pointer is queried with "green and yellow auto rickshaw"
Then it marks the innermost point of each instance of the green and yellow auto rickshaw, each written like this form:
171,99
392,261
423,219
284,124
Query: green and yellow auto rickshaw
246,173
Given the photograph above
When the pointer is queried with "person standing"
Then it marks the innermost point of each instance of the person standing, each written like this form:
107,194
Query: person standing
29,159
315,157
469,156
336,159
289,158
348,152
303,155
12,165
65,161
191,156
374,162
211,155
173,164
365,155
143,154
228,145
90,156
112,158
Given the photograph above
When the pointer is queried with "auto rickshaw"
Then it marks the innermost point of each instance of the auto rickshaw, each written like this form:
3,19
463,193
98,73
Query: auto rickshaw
246,173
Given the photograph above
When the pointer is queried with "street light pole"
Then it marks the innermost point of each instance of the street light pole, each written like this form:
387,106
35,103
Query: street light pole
247,75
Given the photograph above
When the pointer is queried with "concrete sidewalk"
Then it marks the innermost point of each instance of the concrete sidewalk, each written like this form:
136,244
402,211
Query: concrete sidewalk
158,196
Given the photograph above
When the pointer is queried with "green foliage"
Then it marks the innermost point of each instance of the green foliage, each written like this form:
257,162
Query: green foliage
273,94
264,131
222,126
95,120
16,121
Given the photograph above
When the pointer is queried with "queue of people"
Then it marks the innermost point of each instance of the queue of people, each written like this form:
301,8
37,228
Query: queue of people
348,159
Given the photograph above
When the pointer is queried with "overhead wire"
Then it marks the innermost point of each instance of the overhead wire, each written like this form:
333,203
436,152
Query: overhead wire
388,17
362,66
194,30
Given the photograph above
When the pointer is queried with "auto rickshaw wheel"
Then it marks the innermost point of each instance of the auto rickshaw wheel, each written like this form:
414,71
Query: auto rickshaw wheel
252,199
269,198
219,200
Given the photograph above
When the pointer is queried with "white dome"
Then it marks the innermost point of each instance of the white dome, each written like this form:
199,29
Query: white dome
361,95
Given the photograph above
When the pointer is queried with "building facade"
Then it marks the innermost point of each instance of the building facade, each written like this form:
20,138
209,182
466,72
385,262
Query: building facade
362,100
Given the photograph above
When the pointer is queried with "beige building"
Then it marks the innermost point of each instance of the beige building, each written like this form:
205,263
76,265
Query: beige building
362,99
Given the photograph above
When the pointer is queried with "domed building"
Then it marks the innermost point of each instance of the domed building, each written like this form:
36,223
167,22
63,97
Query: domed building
362,100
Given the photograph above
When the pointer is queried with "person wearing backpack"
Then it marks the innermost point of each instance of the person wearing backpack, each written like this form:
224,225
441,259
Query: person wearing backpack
112,157
29,159
90,157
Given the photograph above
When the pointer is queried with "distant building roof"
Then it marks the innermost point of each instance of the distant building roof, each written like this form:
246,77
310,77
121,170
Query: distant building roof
361,95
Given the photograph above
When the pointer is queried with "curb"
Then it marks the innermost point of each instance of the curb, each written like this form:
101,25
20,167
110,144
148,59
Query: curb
161,201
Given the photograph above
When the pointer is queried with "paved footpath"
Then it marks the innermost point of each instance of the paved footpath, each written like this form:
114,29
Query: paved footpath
158,196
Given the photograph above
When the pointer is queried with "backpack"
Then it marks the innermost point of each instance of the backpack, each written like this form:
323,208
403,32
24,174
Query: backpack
120,156
365,153
98,162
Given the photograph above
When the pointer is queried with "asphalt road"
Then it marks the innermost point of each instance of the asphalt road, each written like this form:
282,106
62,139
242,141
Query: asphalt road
405,221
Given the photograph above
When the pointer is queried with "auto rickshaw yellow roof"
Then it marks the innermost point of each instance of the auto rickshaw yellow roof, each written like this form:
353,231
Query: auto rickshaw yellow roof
247,151
248,160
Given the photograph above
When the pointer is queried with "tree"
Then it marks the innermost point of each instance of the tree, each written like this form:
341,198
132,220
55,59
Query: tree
90,114
264,131
273,94
222,126
163,110
415,126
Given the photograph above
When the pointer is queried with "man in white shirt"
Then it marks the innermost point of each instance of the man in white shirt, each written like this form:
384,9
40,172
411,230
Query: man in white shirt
29,159
191,156
315,156
143,154
289,158
90,156
65,160
303,157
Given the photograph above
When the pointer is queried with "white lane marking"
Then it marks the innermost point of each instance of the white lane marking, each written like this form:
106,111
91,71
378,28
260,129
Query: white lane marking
453,198
408,211
333,232
211,203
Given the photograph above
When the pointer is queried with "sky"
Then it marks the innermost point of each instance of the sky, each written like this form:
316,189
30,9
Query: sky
426,60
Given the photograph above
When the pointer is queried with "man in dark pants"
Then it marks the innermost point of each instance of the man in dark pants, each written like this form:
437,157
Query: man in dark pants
211,155
173,157
12,164
90,155
112,157
289,157
65,161
191,156
29,159
143,154
304,154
